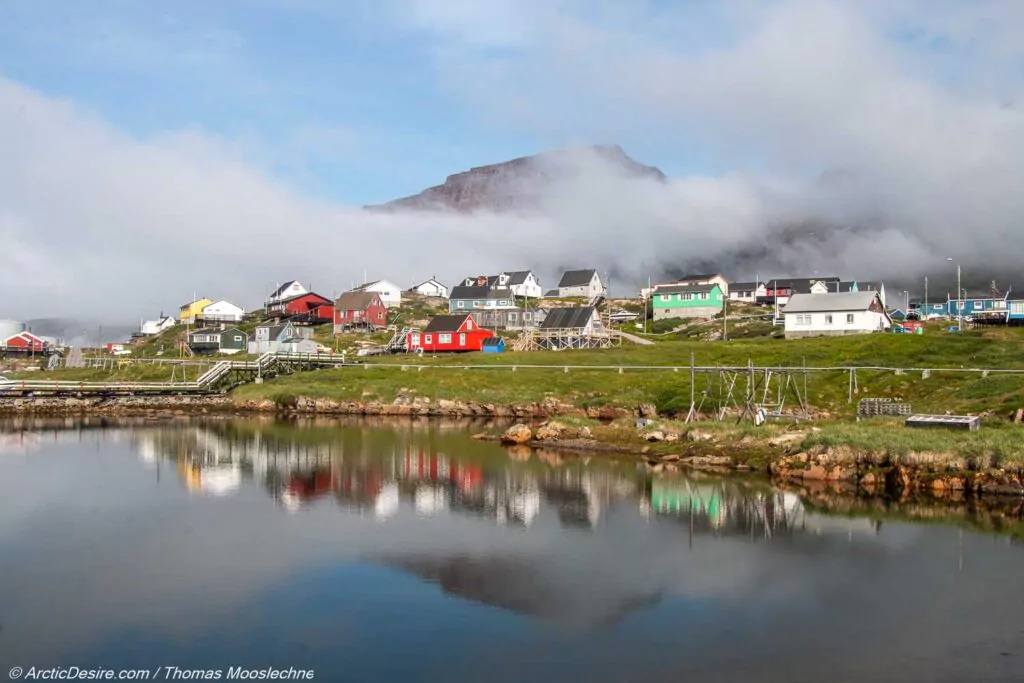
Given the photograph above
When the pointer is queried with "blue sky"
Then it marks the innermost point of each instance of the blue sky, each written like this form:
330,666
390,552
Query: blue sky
218,146
346,103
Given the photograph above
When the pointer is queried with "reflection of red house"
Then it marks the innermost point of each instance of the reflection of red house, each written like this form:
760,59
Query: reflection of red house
437,468
307,486
308,307
24,342
446,333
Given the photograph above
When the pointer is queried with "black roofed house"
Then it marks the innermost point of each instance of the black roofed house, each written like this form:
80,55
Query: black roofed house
744,291
448,333
778,290
215,340
477,297
576,327
586,284
523,283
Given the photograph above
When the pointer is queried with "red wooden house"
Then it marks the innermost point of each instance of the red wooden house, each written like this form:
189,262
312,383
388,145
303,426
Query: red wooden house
307,307
24,342
447,333
359,310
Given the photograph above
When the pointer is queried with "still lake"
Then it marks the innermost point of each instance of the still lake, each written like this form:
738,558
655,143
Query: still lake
404,551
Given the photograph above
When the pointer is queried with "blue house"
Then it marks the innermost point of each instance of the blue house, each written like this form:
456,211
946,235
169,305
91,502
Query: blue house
1015,309
985,305
493,345
468,298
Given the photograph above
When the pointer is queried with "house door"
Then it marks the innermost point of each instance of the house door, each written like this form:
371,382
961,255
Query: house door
462,340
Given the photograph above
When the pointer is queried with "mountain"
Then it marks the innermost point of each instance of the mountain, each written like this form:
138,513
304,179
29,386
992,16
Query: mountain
519,184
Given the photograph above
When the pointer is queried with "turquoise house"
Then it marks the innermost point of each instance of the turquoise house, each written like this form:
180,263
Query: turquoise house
687,301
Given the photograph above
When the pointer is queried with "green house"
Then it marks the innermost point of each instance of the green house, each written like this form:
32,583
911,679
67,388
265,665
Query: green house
687,301
214,340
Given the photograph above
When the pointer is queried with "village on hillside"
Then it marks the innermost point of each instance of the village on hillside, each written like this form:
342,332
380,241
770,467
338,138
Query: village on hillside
512,311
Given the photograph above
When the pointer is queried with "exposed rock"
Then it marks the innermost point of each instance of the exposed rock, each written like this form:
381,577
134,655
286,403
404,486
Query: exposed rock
699,435
786,439
647,410
655,436
550,430
517,434
671,437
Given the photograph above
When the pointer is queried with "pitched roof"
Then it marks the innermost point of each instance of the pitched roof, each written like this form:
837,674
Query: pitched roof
468,292
677,289
577,278
375,282
827,303
355,301
517,277
801,285
446,323
493,341
476,292
699,276
551,293
740,286
869,285
284,288
304,294
567,318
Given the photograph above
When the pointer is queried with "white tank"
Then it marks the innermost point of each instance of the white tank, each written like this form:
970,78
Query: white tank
9,328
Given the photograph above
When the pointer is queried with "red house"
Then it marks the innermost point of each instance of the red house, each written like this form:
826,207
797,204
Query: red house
24,342
308,307
449,333
359,310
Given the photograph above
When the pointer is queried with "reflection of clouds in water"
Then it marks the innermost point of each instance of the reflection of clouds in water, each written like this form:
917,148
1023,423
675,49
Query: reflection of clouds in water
146,556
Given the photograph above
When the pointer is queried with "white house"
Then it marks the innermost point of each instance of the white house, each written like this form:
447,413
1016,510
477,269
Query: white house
745,292
579,283
431,287
222,311
151,327
287,291
524,284
835,313
390,293
704,279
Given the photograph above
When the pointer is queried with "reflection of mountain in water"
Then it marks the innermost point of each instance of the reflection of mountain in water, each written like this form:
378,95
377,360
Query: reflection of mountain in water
528,586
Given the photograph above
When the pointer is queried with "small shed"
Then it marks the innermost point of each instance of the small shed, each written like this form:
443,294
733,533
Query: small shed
212,340
493,345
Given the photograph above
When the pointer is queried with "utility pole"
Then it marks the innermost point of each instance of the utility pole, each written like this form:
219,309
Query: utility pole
926,294
725,318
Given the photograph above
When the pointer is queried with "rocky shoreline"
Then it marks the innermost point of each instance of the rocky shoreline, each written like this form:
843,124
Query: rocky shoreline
855,472
841,469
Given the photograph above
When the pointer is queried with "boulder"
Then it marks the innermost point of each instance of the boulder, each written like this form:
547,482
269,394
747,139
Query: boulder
517,434
655,436
698,435
550,430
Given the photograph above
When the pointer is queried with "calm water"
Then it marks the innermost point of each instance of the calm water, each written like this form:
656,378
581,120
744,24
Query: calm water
407,552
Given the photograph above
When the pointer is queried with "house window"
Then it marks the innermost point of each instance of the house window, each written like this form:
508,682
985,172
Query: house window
702,295
665,297
444,339
462,340
828,318
803,320
512,317
462,304
478,304
414,340
686,297
427,339
238,338
1000,304
527,317
849,318
937,307
979,304
380,315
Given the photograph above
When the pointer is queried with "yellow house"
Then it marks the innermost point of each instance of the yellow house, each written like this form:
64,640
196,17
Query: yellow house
189,311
